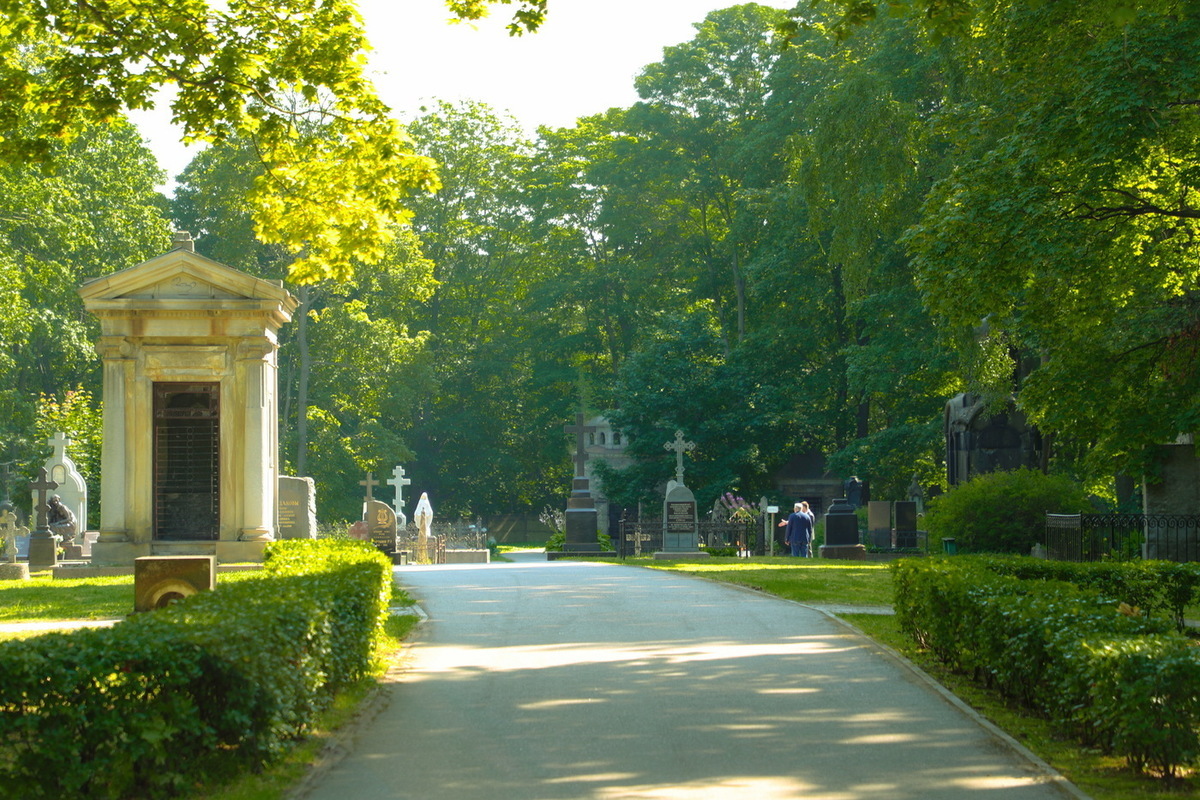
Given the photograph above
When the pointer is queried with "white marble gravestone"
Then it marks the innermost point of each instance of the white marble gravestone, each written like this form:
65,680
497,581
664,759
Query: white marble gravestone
72,488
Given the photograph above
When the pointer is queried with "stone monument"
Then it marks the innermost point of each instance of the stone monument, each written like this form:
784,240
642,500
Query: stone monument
582,521
43,545
841,533
681,533
297,515
381,520
423,516
10,568
190,461
399,481
72,489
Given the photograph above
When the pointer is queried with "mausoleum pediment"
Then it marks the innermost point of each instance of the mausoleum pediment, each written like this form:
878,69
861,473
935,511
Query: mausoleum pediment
185,280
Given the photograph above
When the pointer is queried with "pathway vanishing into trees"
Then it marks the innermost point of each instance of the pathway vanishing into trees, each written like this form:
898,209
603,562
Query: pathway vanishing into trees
577,680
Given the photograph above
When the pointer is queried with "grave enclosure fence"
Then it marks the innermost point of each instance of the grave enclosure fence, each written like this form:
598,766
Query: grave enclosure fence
458,535
637,536
1123,537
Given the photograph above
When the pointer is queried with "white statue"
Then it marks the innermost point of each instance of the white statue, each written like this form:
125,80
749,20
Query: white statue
423,516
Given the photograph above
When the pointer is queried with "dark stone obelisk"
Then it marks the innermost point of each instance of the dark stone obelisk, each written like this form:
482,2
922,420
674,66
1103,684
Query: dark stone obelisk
581,518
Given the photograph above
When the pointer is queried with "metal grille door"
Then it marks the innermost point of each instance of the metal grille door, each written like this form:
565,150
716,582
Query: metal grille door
186,460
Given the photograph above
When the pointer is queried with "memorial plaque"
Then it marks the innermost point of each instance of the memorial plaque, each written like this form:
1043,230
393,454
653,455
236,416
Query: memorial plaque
381,520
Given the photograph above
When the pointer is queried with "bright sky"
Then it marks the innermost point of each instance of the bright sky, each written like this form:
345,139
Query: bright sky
583,60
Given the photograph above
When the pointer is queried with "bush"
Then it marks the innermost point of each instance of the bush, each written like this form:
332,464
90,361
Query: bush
219,681
1117,679
1003,512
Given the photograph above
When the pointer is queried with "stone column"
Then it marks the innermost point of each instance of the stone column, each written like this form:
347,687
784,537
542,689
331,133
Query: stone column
259,481
117,357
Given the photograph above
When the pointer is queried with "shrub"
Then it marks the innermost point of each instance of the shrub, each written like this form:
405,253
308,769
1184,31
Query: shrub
1117,679
218,681
1003,512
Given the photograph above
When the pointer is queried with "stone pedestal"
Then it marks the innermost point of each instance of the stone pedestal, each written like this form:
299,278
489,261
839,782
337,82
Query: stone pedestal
843,552
43,550
14,572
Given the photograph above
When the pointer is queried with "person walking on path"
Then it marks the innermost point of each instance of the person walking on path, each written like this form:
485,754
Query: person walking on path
799,530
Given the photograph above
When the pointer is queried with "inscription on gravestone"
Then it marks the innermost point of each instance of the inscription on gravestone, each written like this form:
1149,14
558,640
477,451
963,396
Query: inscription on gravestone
297,508
381,520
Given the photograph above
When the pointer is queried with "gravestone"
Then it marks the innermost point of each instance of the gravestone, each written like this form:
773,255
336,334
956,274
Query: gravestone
879,523
399,481
841,533
159,581
1176,491
381,520
423,517
680,531
43,545
297,518
582,521
10,568
906,524
72,489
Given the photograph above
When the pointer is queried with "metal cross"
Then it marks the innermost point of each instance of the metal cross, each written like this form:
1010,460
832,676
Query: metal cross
679,446
370,482
580,430
399,481
41,486
637,537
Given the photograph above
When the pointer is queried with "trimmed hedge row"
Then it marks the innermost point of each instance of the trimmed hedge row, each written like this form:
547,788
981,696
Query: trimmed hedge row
218,682
1116,679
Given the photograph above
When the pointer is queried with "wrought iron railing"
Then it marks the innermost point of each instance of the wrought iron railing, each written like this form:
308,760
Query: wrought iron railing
1096,537
637,536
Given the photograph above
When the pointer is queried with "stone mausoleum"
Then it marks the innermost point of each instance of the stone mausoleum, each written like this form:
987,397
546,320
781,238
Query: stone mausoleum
190,463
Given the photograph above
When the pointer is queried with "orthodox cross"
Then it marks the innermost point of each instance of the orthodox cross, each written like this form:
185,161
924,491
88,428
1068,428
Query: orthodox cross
41,486
399,481
580,430
679,446
370,483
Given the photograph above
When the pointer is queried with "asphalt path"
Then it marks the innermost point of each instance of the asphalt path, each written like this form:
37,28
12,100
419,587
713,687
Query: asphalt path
547,680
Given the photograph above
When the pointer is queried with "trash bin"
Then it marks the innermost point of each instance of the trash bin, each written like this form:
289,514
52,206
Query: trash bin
949,547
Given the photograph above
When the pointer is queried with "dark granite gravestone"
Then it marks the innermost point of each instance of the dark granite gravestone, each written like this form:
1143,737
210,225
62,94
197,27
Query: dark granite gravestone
581,518
297,508
841,533
906,523
43,545
381,520
879,523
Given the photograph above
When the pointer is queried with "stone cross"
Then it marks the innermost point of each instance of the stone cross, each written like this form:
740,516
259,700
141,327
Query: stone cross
580,430
41,486
399,481
59,442
370,483
680,447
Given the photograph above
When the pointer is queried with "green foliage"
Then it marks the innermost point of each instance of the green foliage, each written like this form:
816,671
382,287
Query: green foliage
1117,679
1003,512
219,680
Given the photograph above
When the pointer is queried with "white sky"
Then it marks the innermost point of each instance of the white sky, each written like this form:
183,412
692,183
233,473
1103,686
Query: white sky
583,60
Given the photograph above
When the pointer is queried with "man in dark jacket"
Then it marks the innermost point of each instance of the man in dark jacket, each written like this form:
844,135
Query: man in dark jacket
799,531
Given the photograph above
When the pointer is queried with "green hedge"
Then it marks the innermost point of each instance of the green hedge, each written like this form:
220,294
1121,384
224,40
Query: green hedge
1121,681
217,682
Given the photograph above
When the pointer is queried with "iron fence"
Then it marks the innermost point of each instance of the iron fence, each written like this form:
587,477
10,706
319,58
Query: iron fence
1097,537
637,536
457,535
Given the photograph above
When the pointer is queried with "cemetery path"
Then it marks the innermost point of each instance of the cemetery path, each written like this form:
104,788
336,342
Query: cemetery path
554,680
